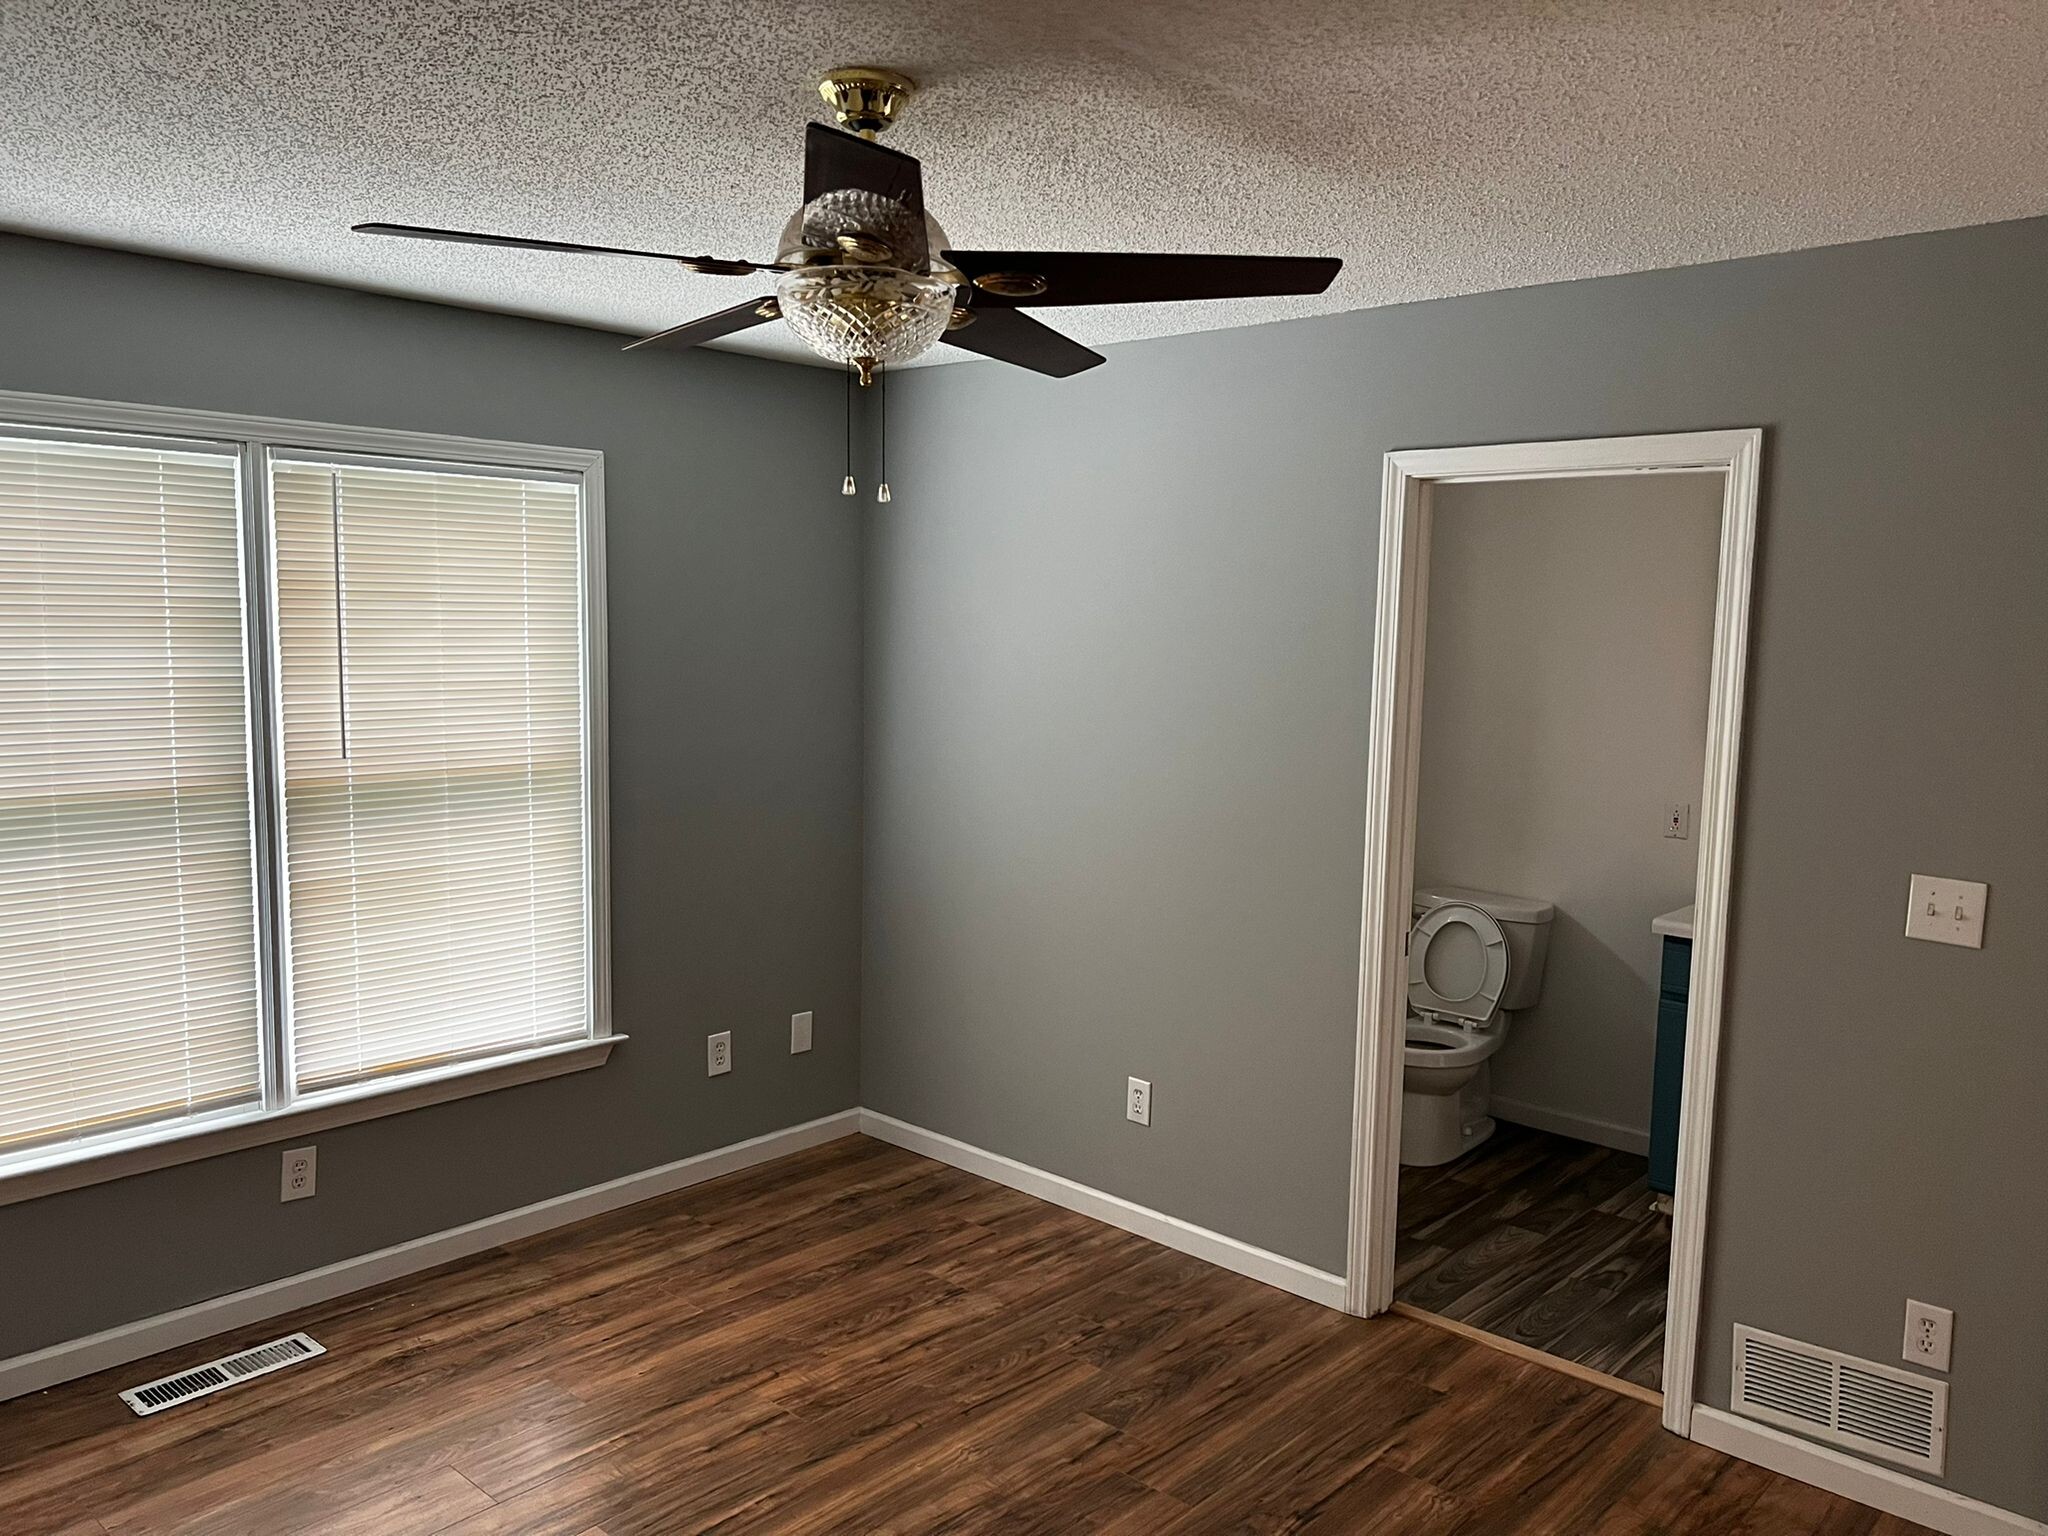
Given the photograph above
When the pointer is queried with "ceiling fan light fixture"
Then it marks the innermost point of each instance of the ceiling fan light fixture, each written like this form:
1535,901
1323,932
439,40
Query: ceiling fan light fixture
856,313
868,279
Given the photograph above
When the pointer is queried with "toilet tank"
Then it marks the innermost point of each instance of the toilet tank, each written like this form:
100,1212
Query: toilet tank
1524,922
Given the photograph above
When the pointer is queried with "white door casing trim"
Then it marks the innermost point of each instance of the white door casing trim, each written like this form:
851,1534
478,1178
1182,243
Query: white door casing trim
1393,750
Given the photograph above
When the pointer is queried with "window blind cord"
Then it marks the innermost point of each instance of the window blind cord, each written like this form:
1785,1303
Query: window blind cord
340,618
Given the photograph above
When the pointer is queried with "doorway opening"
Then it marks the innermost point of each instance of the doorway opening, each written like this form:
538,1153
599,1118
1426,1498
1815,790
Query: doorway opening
1569,781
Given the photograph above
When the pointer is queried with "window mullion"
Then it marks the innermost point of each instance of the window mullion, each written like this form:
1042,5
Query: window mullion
258,590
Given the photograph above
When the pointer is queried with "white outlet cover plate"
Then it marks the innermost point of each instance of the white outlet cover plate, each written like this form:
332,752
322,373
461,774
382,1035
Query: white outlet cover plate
1945,911
799,1033
718,1053
1138,1101
1942,1335
1678,819
311,1157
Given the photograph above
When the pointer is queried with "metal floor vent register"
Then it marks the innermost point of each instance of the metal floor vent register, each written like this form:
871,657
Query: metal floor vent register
218,1375
1876,1409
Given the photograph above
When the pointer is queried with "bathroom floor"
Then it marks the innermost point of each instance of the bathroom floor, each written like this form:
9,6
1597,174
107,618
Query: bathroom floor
1543,1240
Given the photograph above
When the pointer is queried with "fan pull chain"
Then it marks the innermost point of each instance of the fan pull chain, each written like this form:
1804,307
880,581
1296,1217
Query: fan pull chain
340,638
848,488
882,398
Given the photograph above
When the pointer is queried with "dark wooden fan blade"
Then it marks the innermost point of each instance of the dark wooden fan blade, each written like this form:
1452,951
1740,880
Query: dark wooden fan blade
715,265
1106,277
834,161
709,328
1003,333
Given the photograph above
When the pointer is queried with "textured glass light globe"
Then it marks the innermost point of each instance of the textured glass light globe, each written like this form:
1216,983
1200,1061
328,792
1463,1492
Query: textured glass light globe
882,314
812,234
820,224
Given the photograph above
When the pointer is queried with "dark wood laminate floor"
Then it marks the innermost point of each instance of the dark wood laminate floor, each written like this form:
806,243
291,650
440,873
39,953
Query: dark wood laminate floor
859,1340
1544,1241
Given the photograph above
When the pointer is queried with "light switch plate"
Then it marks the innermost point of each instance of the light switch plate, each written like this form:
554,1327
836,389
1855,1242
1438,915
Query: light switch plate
1678,819
1945,911
799,1033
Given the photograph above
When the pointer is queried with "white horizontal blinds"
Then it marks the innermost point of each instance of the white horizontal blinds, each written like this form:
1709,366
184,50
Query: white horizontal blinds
128,982
433,765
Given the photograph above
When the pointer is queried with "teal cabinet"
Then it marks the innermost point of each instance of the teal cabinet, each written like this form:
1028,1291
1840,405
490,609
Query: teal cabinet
1668,1081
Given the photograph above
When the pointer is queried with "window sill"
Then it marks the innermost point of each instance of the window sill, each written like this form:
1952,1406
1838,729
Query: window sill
74,1168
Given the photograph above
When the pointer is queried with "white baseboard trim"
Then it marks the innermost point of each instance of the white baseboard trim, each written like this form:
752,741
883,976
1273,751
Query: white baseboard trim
1602,1133
1225,1252
1879,1487
171,1330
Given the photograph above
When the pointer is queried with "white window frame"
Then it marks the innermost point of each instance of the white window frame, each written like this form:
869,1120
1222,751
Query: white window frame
278,1116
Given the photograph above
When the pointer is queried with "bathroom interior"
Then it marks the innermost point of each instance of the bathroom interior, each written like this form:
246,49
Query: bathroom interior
1564,727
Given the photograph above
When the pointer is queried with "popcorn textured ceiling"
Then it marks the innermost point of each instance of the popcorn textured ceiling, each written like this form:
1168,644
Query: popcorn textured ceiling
1438,146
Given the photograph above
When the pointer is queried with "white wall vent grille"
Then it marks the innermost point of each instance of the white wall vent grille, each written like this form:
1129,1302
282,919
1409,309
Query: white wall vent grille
202,1380
1876,1409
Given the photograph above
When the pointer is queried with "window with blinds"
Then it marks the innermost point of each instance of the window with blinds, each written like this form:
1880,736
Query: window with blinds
297,751
430,667
128,944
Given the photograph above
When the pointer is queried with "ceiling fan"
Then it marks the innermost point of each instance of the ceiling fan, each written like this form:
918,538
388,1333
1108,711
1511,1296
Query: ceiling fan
866,277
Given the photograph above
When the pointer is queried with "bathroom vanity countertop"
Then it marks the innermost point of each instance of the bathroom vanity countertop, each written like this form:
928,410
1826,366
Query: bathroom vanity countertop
1674,925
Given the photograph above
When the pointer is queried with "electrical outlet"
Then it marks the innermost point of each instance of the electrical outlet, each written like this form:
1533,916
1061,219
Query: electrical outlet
799,1033
1678,819
1138,1101
299,1170
1929,1330
718,1053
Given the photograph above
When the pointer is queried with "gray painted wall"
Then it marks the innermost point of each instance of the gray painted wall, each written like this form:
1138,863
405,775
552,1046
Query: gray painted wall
1571,626
1117,663
735,757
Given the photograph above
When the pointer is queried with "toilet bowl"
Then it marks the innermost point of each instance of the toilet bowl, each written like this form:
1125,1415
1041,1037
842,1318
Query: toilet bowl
1444,1089
1473,956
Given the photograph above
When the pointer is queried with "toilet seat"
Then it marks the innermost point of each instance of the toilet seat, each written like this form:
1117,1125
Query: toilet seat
1464,986
1427,1043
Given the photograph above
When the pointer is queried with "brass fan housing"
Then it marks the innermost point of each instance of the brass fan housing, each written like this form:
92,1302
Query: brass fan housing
1012,285
711,266
858,247
866,100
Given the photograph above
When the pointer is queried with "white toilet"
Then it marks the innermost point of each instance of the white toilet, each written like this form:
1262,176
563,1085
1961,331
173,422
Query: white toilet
1474,957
